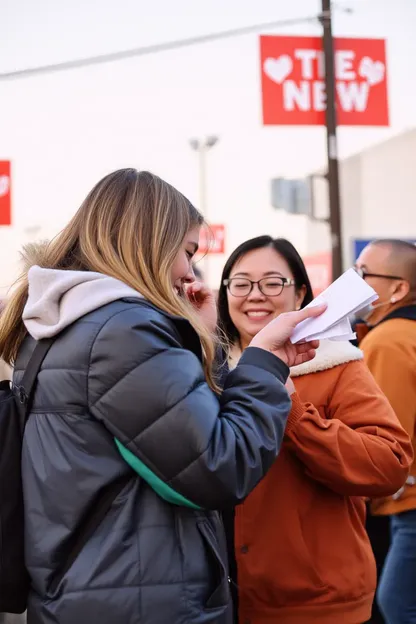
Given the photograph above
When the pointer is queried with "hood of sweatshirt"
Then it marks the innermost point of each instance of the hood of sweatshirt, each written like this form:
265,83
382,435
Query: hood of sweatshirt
58,298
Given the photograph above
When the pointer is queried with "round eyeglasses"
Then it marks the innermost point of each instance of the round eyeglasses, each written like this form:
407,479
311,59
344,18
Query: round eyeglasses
268,286
363,273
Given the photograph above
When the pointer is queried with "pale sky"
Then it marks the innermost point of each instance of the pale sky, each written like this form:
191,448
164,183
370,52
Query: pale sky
64,131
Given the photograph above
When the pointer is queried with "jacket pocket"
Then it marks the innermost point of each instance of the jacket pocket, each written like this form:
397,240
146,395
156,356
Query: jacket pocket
218,592
341,548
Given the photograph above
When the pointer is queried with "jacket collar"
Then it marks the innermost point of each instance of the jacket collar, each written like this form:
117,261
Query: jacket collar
188,334
406,312
330,354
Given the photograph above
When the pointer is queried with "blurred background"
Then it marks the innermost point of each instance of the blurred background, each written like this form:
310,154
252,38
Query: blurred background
195,115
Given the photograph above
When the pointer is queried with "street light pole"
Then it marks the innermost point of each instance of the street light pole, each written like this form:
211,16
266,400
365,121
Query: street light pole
331,138
202,147
202,167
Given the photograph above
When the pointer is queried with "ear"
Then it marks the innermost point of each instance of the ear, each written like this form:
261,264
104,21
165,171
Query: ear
402,290
300,296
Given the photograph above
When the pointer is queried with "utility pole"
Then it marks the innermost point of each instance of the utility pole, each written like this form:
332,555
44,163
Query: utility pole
331,138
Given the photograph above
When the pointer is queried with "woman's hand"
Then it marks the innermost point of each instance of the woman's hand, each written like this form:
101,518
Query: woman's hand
275,337
203,300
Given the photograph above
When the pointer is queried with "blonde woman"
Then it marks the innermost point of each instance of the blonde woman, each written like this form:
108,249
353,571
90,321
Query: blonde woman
127,394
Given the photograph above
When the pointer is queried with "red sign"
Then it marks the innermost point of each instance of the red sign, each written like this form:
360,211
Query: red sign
319,268
293,81
5,193
212,239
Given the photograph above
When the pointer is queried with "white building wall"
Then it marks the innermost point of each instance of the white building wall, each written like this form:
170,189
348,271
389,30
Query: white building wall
378,196
389,196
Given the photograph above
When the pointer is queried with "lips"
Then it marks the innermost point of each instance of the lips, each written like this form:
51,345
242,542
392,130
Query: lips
257,314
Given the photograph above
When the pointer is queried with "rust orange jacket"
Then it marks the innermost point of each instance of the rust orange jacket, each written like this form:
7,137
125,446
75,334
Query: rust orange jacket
390,353
302,551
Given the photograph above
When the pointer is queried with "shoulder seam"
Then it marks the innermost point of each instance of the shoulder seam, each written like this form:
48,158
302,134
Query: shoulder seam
100,328
342,370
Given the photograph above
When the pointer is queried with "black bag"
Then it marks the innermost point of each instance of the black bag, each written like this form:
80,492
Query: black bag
14,411
15,403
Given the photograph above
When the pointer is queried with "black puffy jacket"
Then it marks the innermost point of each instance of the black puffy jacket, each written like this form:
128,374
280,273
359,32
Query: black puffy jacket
131,372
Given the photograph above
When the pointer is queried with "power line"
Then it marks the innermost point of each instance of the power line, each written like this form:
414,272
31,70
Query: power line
151,49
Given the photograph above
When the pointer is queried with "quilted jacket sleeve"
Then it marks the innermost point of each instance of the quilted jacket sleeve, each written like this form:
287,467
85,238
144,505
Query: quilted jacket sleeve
150,392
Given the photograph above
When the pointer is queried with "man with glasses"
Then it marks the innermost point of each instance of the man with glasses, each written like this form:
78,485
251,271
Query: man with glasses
389,346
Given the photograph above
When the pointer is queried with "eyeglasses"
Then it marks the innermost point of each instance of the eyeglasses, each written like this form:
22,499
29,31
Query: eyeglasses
268,286
363,273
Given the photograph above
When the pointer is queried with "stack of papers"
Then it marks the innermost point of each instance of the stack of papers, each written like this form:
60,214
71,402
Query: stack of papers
346,296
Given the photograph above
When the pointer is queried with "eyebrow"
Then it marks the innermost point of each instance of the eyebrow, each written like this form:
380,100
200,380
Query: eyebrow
267,274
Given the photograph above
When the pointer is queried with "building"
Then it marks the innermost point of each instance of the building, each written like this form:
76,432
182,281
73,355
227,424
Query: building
378,200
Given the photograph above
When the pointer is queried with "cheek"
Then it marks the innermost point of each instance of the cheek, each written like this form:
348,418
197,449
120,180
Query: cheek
234,309
179,268
378,285
286,302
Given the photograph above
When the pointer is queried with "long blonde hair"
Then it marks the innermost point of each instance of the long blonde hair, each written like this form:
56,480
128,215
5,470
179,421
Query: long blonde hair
131,227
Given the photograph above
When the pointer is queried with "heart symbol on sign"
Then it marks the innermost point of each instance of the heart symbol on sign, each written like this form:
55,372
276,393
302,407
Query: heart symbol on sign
372,71
277,69
4,185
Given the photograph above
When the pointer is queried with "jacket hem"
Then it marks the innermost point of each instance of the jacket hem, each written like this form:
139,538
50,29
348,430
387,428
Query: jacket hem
354,612
393,507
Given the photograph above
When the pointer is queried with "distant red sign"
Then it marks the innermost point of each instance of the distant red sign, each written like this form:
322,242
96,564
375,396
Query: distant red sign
293,81
319,268
212,240
5,193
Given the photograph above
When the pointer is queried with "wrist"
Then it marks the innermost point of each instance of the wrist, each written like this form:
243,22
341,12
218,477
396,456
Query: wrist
267,360
259,344
296,413
280,353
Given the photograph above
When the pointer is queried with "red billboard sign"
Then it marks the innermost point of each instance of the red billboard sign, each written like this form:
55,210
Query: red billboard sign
212,239
293,81
5,193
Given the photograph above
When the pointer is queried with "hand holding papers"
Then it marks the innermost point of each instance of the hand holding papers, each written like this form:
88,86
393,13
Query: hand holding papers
275,336
347,295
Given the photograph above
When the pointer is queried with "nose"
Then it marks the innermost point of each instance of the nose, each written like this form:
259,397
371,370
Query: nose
256,294
190,276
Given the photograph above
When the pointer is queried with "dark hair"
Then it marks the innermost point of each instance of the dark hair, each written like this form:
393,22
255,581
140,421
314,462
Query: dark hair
282,247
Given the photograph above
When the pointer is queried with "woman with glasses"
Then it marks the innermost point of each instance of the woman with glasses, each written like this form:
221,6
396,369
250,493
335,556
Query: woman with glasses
302,553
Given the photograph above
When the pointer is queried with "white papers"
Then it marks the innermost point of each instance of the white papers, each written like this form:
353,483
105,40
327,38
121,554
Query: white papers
347,295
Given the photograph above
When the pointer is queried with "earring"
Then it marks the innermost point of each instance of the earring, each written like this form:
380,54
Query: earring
393,300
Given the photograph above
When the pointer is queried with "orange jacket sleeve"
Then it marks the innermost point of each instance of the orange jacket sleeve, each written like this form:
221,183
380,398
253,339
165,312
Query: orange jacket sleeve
394,371
361,448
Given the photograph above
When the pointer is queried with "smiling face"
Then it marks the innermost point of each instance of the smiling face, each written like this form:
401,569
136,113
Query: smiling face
252,312
182,268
